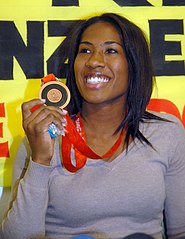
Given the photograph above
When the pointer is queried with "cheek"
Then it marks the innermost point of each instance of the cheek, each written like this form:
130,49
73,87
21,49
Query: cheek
119,65
121,69
122,75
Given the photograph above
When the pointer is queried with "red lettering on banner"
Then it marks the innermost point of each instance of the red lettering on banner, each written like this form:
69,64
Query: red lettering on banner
1,130
4,151
2,111
163,105
183,116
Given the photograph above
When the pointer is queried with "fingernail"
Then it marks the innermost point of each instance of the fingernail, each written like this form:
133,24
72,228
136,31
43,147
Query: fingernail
64,111
63,133
65,130
64,120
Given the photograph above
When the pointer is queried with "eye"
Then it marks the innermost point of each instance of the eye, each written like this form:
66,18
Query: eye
111,51
84,50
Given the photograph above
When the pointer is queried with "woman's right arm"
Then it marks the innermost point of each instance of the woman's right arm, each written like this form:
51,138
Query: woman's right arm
25,218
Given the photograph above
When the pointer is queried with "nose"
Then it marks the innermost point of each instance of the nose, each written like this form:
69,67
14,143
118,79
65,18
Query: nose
96,59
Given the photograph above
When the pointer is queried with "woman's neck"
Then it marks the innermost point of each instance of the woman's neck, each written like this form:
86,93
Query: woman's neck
103,119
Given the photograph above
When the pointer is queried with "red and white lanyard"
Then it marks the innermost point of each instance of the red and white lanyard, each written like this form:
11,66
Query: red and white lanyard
75,137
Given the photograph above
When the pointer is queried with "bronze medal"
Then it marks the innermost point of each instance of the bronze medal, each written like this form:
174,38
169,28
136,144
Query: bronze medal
55,93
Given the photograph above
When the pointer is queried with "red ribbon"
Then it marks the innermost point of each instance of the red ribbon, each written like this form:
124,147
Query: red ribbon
82,150
48,78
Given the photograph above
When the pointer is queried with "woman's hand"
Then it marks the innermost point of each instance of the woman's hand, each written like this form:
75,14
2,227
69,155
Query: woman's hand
36,125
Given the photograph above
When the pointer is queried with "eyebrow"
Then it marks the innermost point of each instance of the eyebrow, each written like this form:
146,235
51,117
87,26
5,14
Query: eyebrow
105,43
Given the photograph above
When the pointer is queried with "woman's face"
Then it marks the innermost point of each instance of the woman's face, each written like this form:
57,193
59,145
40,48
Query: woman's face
100,67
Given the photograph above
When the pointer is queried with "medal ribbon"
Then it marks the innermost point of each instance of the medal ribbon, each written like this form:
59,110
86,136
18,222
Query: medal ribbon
75,136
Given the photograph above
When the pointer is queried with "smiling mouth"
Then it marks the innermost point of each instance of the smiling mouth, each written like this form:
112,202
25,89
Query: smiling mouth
97,80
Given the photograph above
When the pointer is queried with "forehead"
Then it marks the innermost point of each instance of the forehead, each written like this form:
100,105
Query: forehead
101,31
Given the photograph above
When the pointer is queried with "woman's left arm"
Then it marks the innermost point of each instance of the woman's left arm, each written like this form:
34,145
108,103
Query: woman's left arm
175,184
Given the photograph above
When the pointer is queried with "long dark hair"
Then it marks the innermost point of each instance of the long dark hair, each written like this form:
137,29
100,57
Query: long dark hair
140,70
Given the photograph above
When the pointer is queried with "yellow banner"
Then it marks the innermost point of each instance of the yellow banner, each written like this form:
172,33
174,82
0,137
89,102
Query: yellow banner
32,37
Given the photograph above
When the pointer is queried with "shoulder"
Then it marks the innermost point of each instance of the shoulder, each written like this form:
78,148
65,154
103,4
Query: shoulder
167,138
166,116
168,131
165,121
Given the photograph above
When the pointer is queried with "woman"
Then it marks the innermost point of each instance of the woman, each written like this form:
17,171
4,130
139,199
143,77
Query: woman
127,190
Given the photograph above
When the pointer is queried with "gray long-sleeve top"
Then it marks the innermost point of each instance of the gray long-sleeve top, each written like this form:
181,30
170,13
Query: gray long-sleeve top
107,200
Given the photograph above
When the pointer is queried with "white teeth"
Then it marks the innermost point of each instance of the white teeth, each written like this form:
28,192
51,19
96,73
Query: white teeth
96,80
